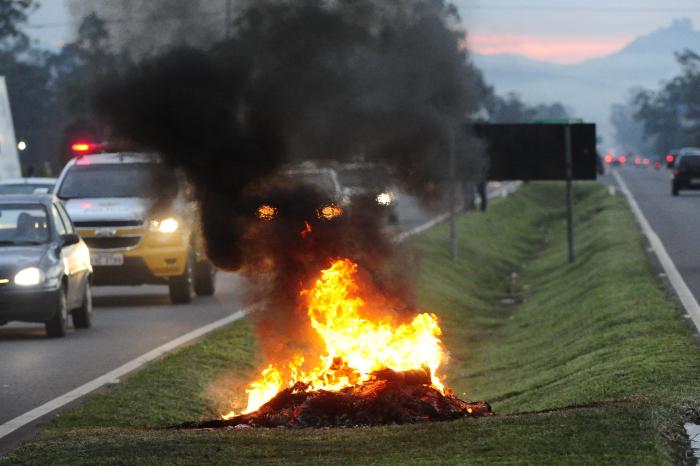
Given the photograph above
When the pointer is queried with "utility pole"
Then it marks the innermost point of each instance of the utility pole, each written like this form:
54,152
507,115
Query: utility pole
452,180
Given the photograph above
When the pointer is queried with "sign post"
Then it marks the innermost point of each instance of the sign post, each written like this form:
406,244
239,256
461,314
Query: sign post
569,193
555,149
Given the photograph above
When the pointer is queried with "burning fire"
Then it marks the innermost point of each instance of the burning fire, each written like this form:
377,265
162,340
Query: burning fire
356,347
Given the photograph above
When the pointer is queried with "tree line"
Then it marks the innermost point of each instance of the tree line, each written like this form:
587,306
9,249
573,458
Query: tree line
666,118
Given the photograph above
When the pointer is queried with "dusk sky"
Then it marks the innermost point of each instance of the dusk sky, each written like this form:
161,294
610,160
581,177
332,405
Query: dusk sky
562,31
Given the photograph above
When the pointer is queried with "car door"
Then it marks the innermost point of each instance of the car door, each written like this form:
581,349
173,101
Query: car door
80,255
68,256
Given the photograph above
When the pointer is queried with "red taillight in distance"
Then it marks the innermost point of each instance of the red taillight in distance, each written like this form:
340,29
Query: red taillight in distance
670,158
609,158
623,159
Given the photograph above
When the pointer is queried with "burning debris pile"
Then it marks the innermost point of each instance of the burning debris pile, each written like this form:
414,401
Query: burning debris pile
374,372
388,398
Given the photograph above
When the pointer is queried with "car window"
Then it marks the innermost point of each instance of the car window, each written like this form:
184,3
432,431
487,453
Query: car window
22,224
66,218
60,227
24,188
149,180
690,161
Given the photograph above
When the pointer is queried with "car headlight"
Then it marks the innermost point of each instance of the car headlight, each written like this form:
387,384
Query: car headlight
385,199
167,225
30,276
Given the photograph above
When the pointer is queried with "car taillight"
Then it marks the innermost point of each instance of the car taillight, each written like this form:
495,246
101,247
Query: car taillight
669,158
623,159
676,172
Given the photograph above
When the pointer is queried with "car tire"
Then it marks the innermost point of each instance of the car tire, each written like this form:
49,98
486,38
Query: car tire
204,278
56,326
182,287
82,317
674,191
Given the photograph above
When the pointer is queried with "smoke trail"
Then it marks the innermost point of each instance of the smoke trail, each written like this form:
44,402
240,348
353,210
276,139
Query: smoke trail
308,79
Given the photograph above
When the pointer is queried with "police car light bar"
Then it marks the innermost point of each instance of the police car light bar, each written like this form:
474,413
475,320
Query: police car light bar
87,148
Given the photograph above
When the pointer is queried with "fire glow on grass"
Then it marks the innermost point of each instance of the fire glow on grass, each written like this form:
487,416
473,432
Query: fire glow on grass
356,346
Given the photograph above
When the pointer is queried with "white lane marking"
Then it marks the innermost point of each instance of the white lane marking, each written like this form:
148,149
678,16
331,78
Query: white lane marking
502,191
110,377
113,376
684,294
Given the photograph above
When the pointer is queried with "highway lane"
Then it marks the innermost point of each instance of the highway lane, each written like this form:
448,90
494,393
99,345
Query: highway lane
676,220
127,323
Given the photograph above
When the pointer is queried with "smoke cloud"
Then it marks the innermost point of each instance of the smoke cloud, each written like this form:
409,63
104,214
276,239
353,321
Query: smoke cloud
324,80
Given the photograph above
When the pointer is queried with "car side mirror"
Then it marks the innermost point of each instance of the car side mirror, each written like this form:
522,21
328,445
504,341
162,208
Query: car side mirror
69,240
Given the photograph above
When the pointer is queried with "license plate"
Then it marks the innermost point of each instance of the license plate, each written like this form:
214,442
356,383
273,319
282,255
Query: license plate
106,259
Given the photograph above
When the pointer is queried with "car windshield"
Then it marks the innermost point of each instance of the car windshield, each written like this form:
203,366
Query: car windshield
23,224
320,180
25,188
690,161
364,177
147,180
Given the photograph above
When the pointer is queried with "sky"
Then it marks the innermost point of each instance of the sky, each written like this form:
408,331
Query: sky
558,31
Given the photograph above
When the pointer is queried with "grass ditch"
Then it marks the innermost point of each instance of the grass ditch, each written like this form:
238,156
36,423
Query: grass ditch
588,363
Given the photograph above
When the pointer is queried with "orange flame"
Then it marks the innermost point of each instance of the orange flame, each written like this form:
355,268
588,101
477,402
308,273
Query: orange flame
355,345
266,212
329,212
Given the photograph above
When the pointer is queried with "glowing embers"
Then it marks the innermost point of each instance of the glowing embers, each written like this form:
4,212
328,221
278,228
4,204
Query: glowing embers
329,212
267,212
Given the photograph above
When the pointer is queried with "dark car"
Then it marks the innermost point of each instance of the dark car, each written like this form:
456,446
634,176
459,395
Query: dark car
371,184
686,175
44,265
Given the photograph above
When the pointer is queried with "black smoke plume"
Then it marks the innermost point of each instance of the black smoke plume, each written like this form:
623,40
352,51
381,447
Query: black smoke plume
324,80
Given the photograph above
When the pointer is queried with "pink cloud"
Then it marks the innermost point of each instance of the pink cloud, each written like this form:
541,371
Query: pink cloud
556,49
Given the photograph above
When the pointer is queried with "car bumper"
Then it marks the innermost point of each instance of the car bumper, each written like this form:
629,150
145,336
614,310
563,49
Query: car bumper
28,305
142,269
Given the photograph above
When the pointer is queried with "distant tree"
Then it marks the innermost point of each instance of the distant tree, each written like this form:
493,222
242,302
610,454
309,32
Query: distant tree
671,115
629,131
511,109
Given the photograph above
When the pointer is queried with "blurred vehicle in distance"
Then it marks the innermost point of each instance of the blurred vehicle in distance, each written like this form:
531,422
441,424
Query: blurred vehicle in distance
45,270
27,186
367,181
686,173
134,215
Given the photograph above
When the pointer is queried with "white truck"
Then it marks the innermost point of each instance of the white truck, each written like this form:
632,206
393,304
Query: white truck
9,160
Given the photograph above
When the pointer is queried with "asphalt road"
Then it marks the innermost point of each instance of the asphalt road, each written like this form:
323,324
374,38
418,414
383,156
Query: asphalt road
676,220
128,322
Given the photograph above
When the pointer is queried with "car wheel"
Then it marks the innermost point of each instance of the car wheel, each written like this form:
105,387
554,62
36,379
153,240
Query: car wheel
182,287
82,317
674,191
56,327
204,278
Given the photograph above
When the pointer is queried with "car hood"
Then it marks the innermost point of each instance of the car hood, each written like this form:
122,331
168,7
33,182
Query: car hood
19,257
114,209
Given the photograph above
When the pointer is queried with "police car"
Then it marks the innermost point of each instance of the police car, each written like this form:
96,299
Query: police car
116,202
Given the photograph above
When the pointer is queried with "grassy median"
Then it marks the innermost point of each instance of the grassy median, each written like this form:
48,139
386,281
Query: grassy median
585,364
